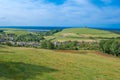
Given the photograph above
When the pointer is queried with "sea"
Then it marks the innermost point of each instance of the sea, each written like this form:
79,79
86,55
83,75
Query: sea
48,28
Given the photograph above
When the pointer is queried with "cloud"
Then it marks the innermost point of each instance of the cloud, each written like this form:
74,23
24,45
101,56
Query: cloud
56,2
68,13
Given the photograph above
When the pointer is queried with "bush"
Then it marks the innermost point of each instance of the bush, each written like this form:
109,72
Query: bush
47,45
110,46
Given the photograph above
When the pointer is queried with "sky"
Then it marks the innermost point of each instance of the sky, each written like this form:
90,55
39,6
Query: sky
75,13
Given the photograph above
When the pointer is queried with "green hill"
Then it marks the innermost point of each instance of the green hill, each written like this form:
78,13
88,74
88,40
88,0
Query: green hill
84,31
39,64
15,31
85,34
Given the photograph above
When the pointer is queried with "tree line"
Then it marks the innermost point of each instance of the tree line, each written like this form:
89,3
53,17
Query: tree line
111,46
69,45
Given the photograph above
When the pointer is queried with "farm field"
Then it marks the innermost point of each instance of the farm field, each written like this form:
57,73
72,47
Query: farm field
82,34
20,63
15,31
71,34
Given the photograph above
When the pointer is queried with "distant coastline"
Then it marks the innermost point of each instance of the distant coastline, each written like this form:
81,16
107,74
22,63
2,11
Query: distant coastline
35,28
48,28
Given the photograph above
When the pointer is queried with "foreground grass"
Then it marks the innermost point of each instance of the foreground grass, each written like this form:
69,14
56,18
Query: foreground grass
39,64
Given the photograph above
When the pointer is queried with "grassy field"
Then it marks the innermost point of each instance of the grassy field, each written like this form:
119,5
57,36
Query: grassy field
73,34
15,31
39,64
82,34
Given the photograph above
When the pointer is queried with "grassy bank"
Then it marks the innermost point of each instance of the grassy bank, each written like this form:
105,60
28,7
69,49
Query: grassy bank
39,64
82,34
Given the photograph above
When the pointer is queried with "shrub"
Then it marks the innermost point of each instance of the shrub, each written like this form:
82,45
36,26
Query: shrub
47,45
110,46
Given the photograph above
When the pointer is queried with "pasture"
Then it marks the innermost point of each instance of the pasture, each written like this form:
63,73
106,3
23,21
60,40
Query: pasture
20,63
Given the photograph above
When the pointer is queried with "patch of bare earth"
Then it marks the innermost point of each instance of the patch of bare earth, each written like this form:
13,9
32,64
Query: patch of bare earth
103,54
69,34
72,51
85,52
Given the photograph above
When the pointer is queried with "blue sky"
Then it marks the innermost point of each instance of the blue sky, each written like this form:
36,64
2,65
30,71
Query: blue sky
93,13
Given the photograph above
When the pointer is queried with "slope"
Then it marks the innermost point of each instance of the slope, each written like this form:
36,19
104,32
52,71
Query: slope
39,64
83,34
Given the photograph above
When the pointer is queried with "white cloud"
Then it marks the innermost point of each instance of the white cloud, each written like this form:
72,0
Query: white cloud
72,12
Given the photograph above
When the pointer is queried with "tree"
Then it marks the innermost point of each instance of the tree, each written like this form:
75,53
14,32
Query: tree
47,44
110,46
1,31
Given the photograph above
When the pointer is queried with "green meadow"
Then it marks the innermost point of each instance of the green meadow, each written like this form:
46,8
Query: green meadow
20,63
15,31
82,34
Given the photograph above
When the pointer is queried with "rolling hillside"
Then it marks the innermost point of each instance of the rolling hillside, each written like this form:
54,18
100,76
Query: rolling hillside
15,31
81,34
39,64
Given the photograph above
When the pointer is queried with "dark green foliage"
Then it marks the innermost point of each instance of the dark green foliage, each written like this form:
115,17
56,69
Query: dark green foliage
47,33
29,37
1,31
47,45
69,45
89,46
11,35
9,44
111,46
